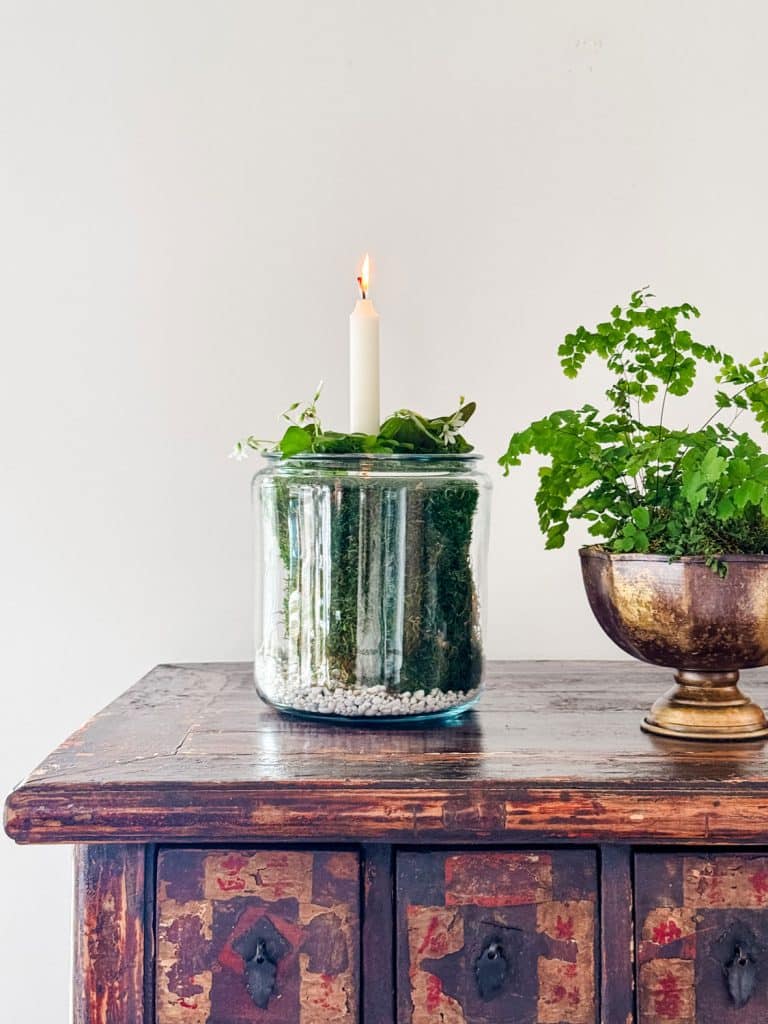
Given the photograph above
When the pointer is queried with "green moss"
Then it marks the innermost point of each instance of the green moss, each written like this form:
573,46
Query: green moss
442,637
345,558
402,605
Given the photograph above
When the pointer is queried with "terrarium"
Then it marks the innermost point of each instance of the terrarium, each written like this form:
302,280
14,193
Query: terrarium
371,552
370,582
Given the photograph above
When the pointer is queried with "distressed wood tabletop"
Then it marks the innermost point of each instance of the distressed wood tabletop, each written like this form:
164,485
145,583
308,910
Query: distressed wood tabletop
553,751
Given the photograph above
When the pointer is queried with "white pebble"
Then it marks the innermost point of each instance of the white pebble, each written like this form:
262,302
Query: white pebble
332,698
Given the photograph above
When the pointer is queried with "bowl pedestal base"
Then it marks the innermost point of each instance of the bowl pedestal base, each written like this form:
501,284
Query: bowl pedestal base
706,706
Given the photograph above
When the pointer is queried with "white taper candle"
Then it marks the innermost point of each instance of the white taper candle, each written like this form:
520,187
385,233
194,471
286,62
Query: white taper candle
364,362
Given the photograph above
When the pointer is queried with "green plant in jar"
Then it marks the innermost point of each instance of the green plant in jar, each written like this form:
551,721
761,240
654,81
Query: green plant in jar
379,593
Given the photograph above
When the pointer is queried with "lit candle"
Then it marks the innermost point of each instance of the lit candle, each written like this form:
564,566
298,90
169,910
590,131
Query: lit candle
364,361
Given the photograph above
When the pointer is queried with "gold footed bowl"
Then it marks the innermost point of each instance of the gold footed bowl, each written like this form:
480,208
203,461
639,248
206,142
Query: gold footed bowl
682,615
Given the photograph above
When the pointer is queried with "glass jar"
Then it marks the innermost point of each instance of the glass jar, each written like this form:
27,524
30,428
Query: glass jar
371,584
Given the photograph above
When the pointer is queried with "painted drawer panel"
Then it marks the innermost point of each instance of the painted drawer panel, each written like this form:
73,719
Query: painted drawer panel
267,936
702,938
487,937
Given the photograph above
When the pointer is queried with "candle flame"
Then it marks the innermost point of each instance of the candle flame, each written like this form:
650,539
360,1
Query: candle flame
365,276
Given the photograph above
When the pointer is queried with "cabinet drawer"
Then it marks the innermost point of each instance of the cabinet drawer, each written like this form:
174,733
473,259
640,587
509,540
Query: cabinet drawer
702,938
494,936
266,936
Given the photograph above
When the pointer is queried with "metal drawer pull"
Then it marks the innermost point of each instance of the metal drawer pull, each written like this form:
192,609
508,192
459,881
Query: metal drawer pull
741,976
260,973
490,970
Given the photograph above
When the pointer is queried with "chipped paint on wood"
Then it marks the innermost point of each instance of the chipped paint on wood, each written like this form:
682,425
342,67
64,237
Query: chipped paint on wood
184,974
452,907
667,992
694,914
342,866
324,997
109,935
725,882
561,995
668,931
431,1003
433,932
567,987
668,924
271,875
497,879
303,907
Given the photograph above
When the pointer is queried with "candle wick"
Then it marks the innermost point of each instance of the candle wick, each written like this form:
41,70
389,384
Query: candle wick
360,286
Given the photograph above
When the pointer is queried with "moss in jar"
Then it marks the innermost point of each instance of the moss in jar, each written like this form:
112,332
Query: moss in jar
395,579
425,628
442,644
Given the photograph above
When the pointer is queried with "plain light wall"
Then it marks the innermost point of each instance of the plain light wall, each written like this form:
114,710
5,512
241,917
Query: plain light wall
186,188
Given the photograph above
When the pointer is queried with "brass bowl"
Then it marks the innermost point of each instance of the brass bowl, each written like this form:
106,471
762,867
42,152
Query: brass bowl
680,614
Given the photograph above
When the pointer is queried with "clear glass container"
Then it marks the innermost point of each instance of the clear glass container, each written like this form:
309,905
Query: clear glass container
371,584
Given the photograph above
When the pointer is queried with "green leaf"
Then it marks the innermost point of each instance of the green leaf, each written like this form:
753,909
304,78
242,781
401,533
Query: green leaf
405,432
725,507
641,485
642,517
295,441
693,488
712,465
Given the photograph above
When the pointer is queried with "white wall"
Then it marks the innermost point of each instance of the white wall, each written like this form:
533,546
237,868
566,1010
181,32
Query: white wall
185,190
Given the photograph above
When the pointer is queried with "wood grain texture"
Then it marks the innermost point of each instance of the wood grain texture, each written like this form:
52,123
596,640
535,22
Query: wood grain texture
109,946
617,941
554,752
216,909
534,912
378,952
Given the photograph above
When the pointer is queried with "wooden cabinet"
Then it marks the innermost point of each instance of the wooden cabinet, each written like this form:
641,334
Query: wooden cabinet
702,938
497,936
540,861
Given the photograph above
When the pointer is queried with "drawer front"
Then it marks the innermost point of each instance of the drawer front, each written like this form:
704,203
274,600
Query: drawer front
267,936
702,938
493,936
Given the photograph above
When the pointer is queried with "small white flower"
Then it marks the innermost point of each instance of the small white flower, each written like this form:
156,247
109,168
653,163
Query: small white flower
238,452
451,429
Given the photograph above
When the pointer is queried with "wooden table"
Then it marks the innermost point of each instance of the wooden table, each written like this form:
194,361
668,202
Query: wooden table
525,864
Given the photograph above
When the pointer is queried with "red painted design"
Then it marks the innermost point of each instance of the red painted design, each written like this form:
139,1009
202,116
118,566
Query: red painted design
230,884
711,887
187,1006
233,863
759,882
564,928
434,993
571,997
325,998
666,932
435,943
667,997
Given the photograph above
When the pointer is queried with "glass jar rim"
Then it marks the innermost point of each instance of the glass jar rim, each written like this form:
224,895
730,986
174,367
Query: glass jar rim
385,457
